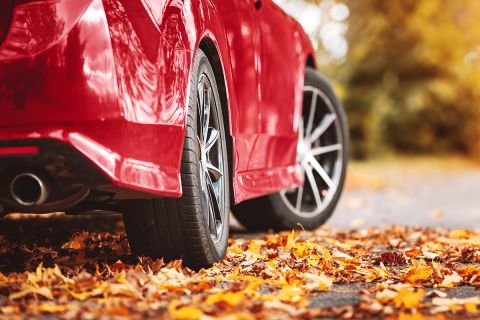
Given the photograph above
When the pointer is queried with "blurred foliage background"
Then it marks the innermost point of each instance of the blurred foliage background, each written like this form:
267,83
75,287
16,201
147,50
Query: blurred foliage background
408,72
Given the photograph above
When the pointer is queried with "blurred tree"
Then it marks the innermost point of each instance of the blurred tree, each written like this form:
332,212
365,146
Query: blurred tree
411,77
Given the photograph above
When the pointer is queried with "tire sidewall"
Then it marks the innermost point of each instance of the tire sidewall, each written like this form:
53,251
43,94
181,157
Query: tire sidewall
202,65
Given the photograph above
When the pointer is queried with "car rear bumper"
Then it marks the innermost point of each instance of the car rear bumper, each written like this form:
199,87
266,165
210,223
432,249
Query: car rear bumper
128,155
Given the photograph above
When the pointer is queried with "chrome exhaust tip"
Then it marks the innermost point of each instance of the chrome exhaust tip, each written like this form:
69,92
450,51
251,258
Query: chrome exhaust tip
29,189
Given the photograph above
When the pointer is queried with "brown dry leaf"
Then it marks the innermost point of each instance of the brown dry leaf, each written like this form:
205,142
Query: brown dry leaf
77,242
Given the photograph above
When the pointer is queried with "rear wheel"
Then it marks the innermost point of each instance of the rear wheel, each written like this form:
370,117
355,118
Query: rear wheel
194,227
322,153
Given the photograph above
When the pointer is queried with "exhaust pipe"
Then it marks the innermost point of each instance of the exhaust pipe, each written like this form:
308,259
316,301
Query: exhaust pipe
29,189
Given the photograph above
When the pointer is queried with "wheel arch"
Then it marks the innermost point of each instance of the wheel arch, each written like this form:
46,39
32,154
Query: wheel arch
311,63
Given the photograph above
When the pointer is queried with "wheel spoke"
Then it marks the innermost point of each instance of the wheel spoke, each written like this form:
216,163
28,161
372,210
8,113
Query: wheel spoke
214,172
298,204
324,124
212,138
311,115
301,130
325,149
211,215
206,115
313,184
214,209
200,109
318,167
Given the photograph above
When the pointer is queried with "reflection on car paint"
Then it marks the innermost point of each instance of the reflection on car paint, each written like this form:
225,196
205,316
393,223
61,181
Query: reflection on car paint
111,78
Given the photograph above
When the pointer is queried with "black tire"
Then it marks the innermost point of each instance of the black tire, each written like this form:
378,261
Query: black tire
181,228
271,212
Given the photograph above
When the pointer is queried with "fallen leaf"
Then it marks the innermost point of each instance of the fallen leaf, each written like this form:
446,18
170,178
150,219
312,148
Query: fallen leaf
177,311
28,289
409,298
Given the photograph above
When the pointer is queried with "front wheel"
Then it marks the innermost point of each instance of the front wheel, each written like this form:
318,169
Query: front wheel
194,227
322,152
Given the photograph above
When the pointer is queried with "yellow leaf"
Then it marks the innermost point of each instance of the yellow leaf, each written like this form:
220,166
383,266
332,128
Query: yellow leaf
27,289
235,250
230,298
184,312
290,241
413,316
39,272
290,294
254,247
326,257
86,294
376,273
324,283
409,298
301,249
419,273
244,316
471,307
233,274
313,259
53,308
459,233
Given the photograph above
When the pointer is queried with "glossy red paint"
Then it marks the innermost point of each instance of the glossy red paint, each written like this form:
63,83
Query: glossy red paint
111,79
19,151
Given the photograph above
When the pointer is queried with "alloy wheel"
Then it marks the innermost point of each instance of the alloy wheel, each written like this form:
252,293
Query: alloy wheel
319,152
211,157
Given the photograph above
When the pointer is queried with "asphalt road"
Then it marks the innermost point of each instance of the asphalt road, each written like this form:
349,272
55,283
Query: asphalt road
427,193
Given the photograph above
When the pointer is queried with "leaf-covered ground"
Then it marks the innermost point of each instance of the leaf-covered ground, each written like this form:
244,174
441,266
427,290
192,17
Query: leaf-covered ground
81,268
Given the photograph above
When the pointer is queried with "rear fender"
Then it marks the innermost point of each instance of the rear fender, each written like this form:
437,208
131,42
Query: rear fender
35,26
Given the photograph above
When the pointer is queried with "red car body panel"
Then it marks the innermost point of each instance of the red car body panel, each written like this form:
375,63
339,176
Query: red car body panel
110,78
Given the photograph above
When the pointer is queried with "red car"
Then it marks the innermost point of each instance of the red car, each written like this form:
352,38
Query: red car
172,112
